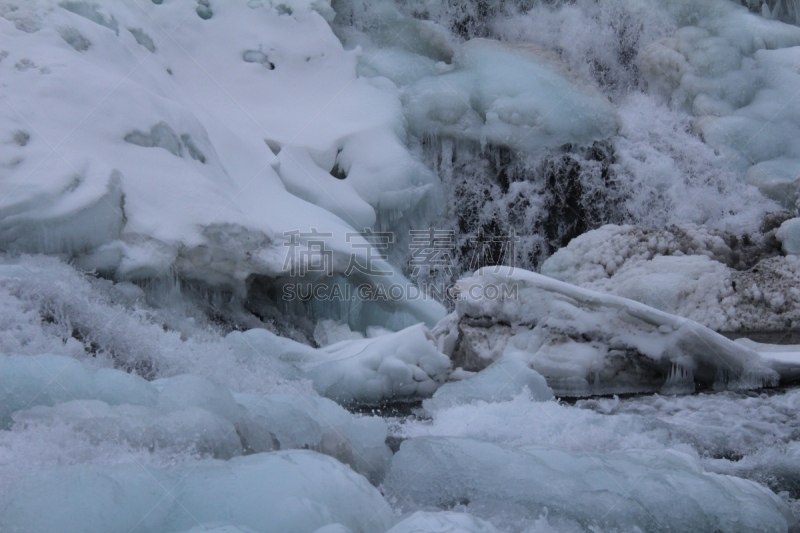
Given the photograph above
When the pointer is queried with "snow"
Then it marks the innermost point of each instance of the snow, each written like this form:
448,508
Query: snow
159,162
581,490
403,365
153,379
585,342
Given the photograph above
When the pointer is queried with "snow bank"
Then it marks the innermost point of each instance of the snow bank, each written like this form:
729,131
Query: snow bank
164,160
304,491
585,342
581,490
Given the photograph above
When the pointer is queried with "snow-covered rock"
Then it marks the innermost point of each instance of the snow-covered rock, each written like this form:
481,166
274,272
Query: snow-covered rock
401,366
616,491
688,271
586,342
789,235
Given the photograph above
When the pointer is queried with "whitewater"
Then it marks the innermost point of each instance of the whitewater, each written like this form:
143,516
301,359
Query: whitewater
399,266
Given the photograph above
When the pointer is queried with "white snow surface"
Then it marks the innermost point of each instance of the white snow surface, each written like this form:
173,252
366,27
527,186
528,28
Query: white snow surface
140,138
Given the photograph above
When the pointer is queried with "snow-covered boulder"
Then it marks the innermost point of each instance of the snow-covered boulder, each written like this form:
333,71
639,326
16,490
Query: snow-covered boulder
581,491
585,342
789,235
726,283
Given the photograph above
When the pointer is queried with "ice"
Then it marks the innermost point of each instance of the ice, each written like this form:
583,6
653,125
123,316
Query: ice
305,491
305,422
179,415
612,491
789,235
585,342
785,358
442,522
502,380
402,366
27,381
732,70
509,94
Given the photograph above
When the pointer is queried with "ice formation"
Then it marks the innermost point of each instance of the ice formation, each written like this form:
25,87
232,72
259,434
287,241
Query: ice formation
585,342
442,522
172,154
582,490
504,379
307,491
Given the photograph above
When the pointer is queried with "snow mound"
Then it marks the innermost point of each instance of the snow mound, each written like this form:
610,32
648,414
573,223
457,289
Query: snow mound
403,365
509,94
585,342
304,492
504,379
624,490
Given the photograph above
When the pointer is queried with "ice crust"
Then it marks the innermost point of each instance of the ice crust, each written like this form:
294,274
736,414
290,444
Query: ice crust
581,490
585,342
